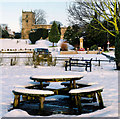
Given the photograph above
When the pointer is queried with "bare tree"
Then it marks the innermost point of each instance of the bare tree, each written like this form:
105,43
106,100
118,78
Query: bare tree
40,16
79,13
108,10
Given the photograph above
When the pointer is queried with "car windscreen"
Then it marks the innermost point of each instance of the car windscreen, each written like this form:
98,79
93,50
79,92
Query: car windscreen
42,50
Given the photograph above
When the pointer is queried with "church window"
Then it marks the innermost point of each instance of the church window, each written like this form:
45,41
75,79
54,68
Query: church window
26,16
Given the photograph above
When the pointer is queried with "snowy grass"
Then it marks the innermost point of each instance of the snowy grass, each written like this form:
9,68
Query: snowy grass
105,75
16,76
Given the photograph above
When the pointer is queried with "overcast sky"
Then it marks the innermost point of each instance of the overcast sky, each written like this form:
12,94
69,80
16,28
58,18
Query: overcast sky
11,10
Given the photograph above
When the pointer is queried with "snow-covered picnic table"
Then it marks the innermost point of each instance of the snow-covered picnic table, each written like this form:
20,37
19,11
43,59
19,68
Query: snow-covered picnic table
73,90
57,78
44,92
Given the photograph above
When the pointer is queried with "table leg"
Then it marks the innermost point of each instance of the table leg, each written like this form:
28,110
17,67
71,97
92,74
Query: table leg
41,107
71,84
74,84
41,85
41,99
24,97
16,101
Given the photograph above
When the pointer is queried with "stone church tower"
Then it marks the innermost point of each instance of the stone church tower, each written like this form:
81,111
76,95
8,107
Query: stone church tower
28,24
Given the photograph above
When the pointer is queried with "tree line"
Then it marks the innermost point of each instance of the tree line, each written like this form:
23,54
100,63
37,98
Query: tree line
53,35
92,38
95,15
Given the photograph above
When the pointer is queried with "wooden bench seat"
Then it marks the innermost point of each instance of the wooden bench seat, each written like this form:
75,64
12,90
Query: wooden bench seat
37,84
79,83
78,63
41,94
90,91
32,85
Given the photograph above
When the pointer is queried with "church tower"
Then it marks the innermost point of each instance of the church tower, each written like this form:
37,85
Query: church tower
28,24
28,20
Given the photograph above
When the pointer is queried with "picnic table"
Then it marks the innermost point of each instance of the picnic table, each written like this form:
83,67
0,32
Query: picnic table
43,92
75,92
57,78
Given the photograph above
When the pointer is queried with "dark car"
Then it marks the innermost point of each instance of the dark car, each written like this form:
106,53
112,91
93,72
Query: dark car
41,51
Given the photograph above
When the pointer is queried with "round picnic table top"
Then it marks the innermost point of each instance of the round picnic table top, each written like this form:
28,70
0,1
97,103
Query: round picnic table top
50,77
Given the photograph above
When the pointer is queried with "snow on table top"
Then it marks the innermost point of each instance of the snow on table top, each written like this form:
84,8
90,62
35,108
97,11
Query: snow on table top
32,91
49,76
87,89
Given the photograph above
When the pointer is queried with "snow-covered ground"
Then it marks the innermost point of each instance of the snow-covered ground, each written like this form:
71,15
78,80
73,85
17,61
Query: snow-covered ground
25,44
105,75
22,44
111,53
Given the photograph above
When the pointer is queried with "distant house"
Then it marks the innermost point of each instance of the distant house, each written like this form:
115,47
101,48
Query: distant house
4,27
11,33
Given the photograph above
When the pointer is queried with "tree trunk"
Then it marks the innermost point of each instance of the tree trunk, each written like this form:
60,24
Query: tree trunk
53,44
117,51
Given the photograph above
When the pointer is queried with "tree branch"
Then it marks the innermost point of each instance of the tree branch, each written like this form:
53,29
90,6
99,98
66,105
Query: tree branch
104,27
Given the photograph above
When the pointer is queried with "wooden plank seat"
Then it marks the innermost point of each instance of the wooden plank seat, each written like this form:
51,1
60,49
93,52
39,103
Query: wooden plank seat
59,91
32,85
41,94
66,84
78,63
79,83
89,91
36,84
